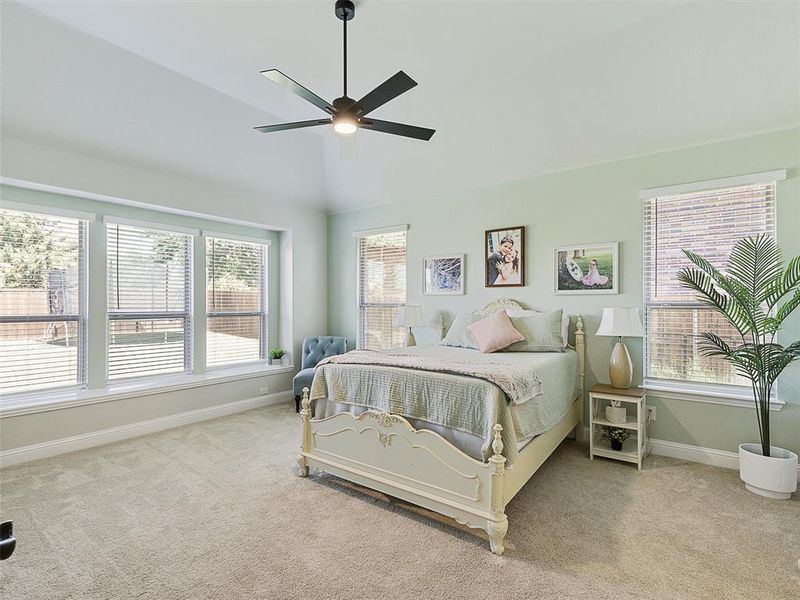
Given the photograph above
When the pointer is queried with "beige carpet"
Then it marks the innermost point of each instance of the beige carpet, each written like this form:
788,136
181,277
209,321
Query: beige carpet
214,510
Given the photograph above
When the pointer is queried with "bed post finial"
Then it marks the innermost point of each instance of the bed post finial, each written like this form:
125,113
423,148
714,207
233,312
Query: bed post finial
580,348
305,444
497,443
497,526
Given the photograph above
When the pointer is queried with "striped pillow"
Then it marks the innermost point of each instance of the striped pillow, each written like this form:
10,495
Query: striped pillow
542,333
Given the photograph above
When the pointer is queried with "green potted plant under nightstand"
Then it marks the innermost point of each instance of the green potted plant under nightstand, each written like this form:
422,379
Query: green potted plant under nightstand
616,436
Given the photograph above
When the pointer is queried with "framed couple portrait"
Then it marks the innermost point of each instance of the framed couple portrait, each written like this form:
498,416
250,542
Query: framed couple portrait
505,257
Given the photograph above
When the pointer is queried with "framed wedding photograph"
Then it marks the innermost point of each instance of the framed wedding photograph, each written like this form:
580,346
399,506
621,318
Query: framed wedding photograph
587,269
444,275
505,257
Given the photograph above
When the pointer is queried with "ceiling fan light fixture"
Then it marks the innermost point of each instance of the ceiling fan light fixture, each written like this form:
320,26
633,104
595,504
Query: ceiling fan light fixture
345,113
345,124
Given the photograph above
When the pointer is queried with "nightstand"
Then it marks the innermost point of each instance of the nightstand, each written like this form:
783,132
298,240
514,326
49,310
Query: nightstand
634,449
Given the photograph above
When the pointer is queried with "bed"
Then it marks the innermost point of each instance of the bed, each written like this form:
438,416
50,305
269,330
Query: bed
463,452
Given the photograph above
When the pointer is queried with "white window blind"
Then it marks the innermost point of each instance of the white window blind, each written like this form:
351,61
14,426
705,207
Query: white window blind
42,301
381,288
708,223
149,301
236,289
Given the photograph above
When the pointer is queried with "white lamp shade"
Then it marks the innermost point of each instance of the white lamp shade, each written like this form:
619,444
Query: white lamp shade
408,316
620,322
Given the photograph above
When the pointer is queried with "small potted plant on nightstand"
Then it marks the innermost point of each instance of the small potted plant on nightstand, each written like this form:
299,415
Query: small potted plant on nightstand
616,435
276,355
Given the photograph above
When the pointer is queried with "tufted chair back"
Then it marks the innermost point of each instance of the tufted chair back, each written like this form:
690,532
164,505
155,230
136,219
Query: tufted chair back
319,347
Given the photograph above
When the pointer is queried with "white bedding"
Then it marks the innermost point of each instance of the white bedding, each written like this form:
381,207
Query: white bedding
559,375
560,384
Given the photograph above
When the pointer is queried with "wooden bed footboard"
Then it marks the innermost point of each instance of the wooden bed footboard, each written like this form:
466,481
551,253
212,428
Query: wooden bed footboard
384,452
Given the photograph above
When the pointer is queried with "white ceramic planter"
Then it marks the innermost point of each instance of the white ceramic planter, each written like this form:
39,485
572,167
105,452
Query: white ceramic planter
772,476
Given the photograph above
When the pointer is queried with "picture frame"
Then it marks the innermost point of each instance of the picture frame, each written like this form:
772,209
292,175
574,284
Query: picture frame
444,275
504,256
586,269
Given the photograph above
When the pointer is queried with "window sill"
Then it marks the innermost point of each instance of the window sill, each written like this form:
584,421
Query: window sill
709,394
24,404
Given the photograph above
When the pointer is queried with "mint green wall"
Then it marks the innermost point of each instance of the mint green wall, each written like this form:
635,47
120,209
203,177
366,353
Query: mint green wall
96,350
591,204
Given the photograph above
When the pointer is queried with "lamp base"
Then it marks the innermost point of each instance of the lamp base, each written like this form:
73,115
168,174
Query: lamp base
620,368
410,341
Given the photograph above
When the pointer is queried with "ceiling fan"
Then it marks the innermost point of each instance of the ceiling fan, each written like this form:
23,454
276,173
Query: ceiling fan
345,114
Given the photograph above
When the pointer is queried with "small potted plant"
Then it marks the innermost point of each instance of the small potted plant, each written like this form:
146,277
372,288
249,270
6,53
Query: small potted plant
276,356
616,435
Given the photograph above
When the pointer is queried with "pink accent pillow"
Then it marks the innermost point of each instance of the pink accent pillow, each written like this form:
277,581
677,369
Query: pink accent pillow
495,332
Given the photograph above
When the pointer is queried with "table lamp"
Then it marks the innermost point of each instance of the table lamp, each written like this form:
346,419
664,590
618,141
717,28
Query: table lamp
409,316
619,323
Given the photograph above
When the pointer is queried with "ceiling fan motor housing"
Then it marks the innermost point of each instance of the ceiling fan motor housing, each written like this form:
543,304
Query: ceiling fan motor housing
343,104
345,10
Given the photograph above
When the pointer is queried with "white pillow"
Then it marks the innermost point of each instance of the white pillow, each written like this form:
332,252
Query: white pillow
516,312
458,335
426,336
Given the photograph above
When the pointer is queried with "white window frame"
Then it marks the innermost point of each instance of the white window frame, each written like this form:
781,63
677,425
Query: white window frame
81,317
187,315
729,395
357,235
97,389
263,313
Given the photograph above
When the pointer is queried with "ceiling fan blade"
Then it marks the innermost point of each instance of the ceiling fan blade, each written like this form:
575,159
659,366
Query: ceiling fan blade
298,89
412,131
388,90
295,125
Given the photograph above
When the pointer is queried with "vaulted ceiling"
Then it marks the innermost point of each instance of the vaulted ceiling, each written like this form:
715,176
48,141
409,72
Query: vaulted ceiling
514,89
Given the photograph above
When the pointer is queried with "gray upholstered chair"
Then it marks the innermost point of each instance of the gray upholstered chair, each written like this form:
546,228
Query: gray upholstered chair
314,350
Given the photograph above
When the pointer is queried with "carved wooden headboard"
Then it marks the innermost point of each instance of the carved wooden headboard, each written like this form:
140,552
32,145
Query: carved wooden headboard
499,305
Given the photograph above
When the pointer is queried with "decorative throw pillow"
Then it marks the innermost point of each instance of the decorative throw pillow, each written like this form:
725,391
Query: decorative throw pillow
426,336
495,332
511,312
542,332
458,335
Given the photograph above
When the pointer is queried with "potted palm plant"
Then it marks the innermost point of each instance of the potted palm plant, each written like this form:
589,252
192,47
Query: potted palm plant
748,294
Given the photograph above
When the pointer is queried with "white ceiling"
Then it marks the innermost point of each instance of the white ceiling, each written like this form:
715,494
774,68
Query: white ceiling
514,89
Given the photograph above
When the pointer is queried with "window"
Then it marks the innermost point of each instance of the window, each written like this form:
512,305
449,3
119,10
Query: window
381,288
707,222
42,301
149,301
236,287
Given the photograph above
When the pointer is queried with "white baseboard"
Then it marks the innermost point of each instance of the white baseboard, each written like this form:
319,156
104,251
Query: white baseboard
15,456
698,454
